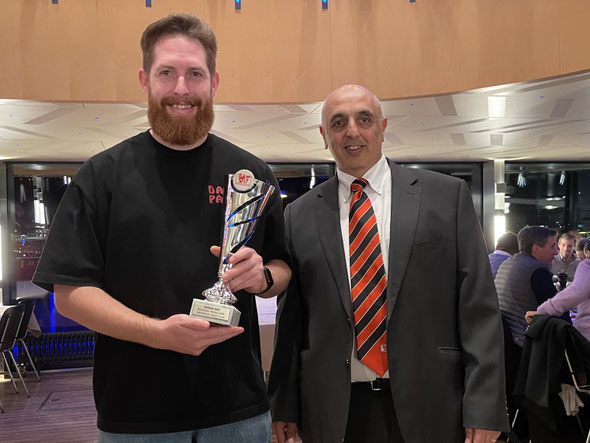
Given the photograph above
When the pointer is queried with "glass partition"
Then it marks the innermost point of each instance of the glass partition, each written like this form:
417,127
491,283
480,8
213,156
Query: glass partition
556,195
34,193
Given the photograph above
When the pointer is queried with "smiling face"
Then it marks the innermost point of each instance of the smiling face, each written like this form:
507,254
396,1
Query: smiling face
353,128
566,247
180,92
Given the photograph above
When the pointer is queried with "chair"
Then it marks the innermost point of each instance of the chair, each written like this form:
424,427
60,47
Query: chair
578,373
23,329
9,325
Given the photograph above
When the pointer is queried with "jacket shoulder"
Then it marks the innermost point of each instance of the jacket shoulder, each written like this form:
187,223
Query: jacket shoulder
313,194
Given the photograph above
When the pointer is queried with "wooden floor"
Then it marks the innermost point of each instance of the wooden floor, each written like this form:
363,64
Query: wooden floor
60,410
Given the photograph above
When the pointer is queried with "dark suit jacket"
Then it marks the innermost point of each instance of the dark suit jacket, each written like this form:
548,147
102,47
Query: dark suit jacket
444,334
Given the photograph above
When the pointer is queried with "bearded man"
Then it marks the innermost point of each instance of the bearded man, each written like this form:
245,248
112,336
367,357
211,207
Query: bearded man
132,244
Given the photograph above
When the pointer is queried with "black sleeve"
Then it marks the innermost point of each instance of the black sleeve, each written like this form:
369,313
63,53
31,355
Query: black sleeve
72,254
542,285
283,383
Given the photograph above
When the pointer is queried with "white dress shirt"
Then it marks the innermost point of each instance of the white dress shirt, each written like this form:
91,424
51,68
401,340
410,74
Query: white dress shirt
379,192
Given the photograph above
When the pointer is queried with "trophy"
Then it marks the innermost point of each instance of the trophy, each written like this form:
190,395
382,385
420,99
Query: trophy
245,198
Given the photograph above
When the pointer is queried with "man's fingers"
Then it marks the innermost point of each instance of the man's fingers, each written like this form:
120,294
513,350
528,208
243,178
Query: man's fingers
196,324
213,336
215,250
279,429
291,432
241,254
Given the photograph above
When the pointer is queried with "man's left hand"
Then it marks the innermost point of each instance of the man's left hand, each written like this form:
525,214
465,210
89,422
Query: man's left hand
247,271
480,435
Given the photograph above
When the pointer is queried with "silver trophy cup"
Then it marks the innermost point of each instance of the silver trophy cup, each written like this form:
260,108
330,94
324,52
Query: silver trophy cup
245,200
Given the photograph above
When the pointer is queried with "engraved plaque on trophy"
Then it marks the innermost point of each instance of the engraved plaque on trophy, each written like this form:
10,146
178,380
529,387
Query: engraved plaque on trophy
245,199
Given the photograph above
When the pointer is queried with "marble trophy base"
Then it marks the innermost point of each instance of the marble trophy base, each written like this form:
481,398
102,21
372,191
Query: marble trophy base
217,313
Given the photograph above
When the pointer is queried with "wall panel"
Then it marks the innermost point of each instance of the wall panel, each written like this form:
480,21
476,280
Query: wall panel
402,49
293,51
272,51
574,35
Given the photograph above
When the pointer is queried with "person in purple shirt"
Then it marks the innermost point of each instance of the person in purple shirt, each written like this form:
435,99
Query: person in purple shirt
506,247
577,293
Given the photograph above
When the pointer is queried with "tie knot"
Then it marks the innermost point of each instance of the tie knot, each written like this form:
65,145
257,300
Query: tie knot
358,184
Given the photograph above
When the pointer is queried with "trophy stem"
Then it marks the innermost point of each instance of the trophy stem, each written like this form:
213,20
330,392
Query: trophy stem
220,293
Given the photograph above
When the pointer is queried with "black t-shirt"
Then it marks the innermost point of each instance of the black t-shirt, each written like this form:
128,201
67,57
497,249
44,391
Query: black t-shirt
137,221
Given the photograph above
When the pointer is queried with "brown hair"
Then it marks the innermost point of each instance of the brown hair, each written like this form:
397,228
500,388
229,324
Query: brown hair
533,235
186,25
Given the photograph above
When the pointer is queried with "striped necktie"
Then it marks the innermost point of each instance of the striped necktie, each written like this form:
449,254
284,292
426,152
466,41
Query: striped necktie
368,281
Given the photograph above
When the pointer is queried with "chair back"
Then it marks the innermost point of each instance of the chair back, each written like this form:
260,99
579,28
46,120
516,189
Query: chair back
578,368
9,324
28,311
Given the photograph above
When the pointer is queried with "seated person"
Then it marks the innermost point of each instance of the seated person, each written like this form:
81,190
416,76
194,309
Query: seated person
524,281
506,247
577,293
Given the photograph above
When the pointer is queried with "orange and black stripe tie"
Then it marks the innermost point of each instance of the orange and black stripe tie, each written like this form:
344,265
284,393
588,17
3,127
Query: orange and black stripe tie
368,280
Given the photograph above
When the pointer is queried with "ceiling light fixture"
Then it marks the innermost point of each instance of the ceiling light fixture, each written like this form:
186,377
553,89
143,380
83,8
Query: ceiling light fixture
521,181
497,106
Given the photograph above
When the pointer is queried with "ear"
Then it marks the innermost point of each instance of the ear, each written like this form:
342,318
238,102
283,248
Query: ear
384,126
323,132
143,81
214,84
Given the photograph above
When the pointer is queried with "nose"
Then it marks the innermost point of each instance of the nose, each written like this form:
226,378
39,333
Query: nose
181,88
352,129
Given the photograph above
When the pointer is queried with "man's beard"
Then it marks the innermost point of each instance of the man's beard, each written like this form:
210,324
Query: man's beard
180,130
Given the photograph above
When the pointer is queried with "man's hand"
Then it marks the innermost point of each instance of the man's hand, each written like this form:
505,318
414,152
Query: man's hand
191,336
529,315
247,271
285,431
480,435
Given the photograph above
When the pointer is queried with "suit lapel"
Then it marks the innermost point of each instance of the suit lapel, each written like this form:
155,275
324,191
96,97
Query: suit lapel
405,208
327,217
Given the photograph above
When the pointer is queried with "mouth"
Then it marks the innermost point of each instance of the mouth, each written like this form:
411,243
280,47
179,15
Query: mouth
181,108
353,148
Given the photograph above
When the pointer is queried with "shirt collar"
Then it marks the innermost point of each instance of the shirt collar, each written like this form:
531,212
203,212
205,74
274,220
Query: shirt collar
376,177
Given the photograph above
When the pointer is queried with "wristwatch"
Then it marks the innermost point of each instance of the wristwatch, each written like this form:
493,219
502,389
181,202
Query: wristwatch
269,281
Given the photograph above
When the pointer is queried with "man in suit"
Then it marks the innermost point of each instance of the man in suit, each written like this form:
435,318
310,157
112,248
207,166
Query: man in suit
434,369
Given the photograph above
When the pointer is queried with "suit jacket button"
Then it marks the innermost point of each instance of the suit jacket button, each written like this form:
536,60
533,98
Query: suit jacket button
347,361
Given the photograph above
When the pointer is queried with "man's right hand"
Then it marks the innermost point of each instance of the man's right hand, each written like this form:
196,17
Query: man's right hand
529,315
285,431
191,336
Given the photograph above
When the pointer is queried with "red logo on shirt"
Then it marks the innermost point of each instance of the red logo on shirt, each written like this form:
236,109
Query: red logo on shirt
215,194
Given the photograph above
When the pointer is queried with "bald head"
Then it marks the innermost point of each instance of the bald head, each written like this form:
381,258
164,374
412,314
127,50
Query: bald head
349,90
353,128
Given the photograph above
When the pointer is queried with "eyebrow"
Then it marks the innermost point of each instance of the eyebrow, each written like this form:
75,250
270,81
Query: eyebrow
191,68
337,116
365,112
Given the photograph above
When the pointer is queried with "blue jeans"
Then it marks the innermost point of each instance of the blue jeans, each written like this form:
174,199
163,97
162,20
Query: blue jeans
251,430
